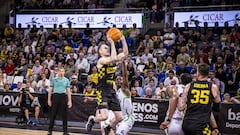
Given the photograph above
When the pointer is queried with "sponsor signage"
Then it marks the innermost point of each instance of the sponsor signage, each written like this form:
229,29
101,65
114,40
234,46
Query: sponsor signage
80,20
229,119
232,17
149,112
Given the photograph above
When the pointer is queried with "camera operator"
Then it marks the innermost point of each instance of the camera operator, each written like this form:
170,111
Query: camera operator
29,103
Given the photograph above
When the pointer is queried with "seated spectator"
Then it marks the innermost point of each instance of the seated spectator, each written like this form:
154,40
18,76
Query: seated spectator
171,77
9,67
202,57
161,64
137,77
29,87
160,92
70,68
130,70
183,56
148,92
32,79
92,57
94,74
146,55
212,78
151,85
140,49
37,67
182,68
170,65
82,65
43,84
147,42
160,51
49,61
90,82
227,98
53,73
72,55
21,70
27,104
139,89
140,64
89,91
134,92
7,88
19,87
76,85
169,38
151,76
233,80
58,56
150,65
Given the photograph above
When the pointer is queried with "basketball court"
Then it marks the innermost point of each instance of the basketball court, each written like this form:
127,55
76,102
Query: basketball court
11,128
15,131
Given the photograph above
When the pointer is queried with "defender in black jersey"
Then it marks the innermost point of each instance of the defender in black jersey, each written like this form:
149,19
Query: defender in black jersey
197,98
106,94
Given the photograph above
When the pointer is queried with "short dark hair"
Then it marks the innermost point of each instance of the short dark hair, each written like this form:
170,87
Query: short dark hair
151,80
203,69
171,71
186,78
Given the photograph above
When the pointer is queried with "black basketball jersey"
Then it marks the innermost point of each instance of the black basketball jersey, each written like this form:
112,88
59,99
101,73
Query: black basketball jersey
106,75
199,102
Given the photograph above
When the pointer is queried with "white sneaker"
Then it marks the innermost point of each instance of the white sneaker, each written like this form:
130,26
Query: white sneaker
90,123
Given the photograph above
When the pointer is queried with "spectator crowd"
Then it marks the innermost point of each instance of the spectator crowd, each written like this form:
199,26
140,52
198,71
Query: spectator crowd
35,54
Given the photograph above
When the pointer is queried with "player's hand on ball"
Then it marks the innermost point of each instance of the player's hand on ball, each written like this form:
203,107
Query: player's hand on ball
110,39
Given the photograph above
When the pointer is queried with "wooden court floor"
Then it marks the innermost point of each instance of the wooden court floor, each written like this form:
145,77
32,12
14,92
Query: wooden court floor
15,131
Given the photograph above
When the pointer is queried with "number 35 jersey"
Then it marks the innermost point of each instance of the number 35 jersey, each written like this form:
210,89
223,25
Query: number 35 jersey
199,102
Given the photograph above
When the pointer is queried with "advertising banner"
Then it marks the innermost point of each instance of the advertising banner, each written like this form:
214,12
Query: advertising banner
232,17
229,119
148,113
80,20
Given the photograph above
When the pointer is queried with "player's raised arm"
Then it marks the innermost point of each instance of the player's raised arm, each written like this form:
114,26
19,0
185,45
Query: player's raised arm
125,52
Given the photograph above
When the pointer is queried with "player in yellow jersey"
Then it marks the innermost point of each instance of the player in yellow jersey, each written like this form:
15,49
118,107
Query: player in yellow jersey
106,94
199,96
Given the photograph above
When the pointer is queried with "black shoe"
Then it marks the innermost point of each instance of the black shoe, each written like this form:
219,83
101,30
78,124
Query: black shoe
49,133
89,124
66,133
107,130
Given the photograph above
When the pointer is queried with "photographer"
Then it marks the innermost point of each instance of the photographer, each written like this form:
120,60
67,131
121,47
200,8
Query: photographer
29,103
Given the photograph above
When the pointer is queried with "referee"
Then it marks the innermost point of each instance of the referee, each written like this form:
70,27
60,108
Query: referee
59,99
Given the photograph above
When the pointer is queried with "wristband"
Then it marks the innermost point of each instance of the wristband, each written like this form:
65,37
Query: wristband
214,128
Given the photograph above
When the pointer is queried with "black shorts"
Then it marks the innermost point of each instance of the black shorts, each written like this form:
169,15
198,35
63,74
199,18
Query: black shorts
107,98
28,107
193,128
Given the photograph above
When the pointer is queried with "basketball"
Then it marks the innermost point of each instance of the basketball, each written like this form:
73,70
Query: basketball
114,33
